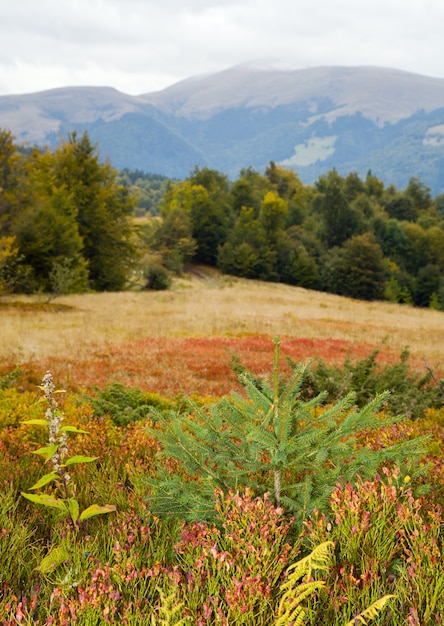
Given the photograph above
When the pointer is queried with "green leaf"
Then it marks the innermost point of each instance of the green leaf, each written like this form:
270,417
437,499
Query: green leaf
44,480
47,452
37,422
46,501
53,559
371,612
80,459
73,429
95,509
73,506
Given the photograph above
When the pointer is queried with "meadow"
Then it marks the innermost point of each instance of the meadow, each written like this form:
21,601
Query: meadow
136,336
90,547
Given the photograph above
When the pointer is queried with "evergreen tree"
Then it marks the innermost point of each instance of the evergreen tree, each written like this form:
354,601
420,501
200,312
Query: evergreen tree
13,189
295,266
103,212
339,219
393,240
402,207
428,282
374,186
417,249
353,186
46,232
400,285
419,193
270,441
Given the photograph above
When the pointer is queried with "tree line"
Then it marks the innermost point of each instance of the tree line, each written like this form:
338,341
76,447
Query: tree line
67,225
343,235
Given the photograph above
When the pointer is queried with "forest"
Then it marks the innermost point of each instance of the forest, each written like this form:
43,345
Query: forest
342,235
70,223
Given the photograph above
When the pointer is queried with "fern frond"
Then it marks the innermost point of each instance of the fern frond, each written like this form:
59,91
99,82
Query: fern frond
169,611
370,613
294,613
318,559
295,590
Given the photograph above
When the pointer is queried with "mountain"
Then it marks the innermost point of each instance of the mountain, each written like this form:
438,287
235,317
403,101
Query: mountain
349,118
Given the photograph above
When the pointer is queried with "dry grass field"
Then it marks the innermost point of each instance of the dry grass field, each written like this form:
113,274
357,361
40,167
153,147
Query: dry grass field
100,332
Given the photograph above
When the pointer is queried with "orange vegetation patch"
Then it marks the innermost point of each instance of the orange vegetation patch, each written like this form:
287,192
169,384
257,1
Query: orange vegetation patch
173,367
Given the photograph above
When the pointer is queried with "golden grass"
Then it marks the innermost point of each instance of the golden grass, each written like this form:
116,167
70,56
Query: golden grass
206,304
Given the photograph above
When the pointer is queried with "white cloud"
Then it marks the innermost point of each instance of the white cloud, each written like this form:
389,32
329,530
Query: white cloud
144,45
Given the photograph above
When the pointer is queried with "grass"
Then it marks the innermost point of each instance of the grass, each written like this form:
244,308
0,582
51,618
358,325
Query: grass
217,306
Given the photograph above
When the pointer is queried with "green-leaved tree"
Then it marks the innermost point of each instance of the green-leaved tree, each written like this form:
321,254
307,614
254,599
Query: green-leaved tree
47,232
103,212
357,269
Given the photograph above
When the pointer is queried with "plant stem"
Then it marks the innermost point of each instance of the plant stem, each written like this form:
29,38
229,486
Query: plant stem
277,473
277,487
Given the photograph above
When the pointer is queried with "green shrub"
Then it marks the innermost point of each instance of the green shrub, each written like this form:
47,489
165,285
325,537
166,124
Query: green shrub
16,406
9,378
125,405
157,278
411,394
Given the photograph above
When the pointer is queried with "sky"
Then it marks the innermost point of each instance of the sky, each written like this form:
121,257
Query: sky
142,46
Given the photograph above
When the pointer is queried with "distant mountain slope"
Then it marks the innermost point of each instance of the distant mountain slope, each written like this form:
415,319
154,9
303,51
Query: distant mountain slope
350,118
32,117
379,94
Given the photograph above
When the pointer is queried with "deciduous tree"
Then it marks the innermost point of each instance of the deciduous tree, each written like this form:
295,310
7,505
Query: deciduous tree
210,213
357,269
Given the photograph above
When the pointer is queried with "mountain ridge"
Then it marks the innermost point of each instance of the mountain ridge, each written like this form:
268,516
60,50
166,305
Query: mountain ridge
311,119
309,83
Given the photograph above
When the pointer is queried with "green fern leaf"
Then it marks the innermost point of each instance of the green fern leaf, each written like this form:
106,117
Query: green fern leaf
370,613
299,587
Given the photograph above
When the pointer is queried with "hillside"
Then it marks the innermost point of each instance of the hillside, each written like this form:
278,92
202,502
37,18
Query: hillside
130,334
349,118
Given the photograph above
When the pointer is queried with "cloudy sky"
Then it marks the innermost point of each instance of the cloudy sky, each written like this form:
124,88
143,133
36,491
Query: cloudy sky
139,46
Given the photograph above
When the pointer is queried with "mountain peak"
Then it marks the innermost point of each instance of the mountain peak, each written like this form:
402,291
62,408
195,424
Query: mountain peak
312,119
